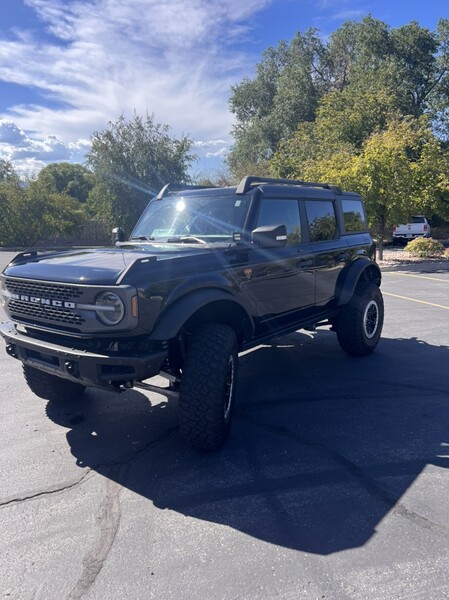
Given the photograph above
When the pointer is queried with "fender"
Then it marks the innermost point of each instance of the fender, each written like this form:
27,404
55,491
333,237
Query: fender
180,311
350,276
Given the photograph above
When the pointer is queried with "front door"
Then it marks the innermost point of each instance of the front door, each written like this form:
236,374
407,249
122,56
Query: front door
281,280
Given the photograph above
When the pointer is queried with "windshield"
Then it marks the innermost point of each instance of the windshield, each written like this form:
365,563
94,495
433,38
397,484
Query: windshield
192,219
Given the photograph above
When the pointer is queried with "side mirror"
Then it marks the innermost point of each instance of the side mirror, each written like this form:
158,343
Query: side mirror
118,235
270,236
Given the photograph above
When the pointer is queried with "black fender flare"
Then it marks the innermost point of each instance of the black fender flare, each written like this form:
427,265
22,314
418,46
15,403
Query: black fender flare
350,276
180,311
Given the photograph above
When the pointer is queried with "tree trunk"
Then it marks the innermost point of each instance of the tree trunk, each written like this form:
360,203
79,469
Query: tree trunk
380,236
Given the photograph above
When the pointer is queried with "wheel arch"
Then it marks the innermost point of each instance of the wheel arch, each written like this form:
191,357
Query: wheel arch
361,269
203,306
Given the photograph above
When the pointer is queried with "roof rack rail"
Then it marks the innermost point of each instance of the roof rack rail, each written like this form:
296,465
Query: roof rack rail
250,181
177,187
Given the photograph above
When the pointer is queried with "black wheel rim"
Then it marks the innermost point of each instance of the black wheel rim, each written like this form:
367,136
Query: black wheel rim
371,319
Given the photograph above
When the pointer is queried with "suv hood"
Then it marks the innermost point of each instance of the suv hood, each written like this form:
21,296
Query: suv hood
99,266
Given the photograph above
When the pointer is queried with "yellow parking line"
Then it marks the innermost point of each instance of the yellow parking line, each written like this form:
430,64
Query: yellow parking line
415,300
416,276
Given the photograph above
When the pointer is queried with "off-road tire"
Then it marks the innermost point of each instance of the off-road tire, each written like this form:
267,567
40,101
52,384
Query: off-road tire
208,387
52,388
360,321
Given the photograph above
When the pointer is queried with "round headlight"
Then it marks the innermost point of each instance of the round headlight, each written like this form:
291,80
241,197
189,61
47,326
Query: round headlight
110,308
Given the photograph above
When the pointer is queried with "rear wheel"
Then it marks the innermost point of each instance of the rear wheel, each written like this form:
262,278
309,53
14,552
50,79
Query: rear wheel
52,388
359,323
208,387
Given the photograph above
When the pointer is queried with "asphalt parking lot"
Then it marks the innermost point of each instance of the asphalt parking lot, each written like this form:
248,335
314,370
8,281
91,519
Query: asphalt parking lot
334,483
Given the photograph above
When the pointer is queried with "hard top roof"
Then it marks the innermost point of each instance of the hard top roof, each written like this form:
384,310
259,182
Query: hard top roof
250,184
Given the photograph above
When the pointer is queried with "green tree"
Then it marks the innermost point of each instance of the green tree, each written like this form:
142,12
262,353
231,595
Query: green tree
71,179
29,214
9,192
403,71
439,100
351,116
132,160
400,170
269,107
7,172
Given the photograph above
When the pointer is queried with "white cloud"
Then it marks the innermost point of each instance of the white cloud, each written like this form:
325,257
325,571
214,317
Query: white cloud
210,143
218,154
11,135
172,58
212,149
29,155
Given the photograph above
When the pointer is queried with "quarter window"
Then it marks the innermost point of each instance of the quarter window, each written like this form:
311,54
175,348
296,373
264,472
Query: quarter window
322,221
354,216
281,212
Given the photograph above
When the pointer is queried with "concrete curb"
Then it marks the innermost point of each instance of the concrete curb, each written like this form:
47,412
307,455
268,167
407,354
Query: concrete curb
427,266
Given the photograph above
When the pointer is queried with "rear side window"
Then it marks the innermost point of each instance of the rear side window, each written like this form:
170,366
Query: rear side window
354,216
322,221
281,212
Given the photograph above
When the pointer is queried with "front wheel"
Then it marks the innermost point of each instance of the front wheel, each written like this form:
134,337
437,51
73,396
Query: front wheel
359,323
52,388
208,386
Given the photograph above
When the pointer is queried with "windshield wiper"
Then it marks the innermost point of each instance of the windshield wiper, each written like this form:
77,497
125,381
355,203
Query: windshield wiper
144,238
186,239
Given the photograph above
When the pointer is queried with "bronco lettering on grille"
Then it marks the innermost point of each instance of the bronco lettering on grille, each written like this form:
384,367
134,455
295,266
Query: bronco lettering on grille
43,301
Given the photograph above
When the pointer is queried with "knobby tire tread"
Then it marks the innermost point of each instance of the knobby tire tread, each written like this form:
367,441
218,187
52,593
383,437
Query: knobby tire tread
203,384
350,321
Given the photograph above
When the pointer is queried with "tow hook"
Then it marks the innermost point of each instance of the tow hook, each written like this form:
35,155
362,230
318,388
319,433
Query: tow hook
69,367
11,350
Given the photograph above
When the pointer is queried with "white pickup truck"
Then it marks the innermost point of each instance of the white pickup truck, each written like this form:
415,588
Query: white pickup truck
418,227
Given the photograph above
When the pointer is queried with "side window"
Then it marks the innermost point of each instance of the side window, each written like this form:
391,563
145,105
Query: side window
281,212
322,221
354,216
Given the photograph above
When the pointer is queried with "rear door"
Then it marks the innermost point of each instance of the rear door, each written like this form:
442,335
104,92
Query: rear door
330,250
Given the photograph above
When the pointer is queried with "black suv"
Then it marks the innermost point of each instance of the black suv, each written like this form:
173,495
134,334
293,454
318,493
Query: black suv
206,273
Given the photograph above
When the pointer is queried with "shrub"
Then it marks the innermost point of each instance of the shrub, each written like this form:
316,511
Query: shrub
425,248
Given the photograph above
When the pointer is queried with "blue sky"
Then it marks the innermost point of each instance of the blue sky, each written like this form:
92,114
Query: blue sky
67,67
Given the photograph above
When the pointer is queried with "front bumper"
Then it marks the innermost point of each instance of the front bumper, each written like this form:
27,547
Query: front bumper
87,368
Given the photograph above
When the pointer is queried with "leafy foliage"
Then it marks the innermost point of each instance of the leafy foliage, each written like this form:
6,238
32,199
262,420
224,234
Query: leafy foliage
399,170
71,179
132,160
7,172
29,213
339,92
425,248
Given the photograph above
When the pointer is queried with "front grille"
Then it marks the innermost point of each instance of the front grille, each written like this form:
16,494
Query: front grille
49,313
43,289
22,307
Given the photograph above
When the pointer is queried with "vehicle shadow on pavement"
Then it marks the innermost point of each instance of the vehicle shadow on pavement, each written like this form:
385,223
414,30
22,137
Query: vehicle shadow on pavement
323,445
